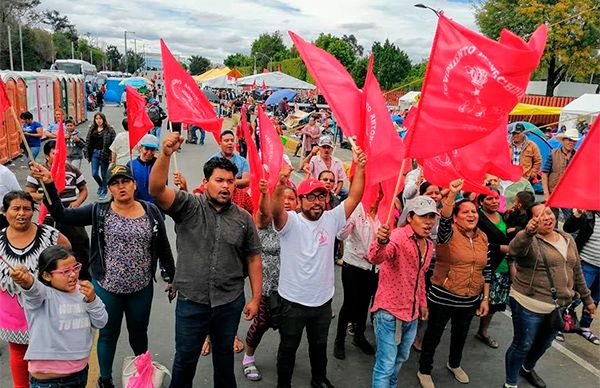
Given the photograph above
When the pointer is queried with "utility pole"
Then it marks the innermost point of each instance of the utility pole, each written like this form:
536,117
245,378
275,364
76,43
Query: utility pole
91,57
10,50
21,45
72,50
126,51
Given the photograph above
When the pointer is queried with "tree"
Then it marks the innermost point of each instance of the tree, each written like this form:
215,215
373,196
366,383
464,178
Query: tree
13,12
237,60
113,57
573,36
59,23
337,47
359,71
184,65
391,64
265,47
357,49
199,64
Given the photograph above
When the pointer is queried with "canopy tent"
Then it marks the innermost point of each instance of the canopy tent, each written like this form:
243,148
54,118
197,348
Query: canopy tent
220,82
539,110
275,79
408,100
217,72
586,107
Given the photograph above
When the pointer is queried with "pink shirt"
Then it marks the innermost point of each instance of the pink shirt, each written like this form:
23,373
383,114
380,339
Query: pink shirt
59,367
401,289
317,165
311,136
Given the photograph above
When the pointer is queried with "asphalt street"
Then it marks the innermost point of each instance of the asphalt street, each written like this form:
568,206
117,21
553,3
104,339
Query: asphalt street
575,363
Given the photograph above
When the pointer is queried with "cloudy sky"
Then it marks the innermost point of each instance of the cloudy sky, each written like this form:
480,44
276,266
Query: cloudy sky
216,29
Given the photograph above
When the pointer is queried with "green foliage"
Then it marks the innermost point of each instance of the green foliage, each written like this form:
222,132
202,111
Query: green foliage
357,49
183,64
113,57
391,64
60,23
359,71
265,47
199,64
414,79
337,47
573,35
237,60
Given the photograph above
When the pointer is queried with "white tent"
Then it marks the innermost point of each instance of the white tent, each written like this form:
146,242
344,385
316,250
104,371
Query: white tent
274,79
220,82
408,100
586,107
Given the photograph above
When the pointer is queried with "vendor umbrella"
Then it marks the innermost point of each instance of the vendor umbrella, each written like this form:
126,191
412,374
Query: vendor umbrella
212,97
276,97
136,82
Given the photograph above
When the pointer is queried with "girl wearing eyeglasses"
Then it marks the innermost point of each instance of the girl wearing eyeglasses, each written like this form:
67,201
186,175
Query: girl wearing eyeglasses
62,313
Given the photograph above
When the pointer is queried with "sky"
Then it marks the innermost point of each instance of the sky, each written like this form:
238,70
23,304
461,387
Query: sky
216,29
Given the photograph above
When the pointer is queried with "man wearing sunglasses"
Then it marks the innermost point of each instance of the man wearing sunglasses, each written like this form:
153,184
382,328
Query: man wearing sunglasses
307,277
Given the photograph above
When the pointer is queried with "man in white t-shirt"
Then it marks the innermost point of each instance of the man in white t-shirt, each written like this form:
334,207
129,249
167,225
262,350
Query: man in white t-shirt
120,147
307,276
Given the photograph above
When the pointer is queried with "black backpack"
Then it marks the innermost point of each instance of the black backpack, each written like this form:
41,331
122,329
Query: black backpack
154,113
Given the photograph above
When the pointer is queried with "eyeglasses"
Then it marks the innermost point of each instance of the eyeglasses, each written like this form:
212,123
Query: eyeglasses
67,271
327,179
314,197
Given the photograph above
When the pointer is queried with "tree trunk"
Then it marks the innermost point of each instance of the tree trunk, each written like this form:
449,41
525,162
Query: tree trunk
551,77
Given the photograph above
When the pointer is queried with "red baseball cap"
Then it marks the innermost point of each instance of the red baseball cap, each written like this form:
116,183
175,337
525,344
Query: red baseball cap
310,185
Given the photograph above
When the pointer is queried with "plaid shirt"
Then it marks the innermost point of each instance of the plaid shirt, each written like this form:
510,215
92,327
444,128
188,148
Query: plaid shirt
516,151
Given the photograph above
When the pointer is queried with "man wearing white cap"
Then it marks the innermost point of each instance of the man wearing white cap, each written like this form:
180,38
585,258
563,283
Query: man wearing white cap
556,164
320,159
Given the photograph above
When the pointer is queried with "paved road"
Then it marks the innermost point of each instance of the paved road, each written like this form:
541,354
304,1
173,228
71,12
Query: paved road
573,364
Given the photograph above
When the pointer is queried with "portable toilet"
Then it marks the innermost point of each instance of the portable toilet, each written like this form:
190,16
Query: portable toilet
81,104
72,98
10,138
40,96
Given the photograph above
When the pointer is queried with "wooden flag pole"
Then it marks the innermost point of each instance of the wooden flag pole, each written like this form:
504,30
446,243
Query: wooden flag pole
396,189
174,153
7,264
28,149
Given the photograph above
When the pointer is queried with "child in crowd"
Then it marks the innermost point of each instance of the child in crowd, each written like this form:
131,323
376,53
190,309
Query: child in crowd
75,144
516,219
60,320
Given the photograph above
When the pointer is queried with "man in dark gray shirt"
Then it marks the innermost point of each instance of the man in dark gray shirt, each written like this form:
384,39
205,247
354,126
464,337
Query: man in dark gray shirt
217,243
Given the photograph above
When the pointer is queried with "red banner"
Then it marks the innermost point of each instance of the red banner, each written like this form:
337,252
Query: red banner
440,170
138,121
579,187
335,83
471,85
185,101
256,167
58,168
271,148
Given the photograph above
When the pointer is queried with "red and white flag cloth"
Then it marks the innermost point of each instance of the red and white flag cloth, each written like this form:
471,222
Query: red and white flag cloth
471,85
58,168
271,148
138,121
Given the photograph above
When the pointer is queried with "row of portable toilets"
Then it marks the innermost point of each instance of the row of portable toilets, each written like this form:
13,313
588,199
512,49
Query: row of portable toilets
41,94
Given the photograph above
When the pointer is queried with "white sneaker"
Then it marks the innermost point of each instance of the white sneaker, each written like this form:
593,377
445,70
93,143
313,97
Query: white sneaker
459,374
425,380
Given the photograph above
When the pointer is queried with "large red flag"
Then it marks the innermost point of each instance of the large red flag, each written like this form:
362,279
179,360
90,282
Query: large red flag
471,85
381,143
138,121
579,187
58,168
185,101
256,167
4,101
440,170
271,148
335,83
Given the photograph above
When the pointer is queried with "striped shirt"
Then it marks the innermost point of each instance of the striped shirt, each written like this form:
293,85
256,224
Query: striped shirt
590,253
440,295
74,183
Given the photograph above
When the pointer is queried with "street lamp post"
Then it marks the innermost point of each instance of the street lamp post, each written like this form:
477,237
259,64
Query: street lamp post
420,5
264,55
126,64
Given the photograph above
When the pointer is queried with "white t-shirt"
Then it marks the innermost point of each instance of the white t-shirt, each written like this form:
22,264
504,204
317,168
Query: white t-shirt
8,182
120,146
306,274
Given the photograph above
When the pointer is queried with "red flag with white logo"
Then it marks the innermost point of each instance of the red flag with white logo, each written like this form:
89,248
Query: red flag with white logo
579,187
471,85
138,121
271,148
185,101
440,170
254,161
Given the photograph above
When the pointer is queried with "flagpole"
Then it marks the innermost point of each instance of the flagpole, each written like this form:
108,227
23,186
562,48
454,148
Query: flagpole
396,189
28,149
174,153
7,263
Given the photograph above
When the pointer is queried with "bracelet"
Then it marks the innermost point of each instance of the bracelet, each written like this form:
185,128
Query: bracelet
486,298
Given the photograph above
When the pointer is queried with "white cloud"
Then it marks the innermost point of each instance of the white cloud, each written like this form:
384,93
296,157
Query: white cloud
217,29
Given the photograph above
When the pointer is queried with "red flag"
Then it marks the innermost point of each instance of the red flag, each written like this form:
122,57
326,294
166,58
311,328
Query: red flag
254,84
265,70
264,85
185,101
256,168
335,83
381,143
278,67
58,168
471,85
138,121
578,188
4,100
271,148
440,170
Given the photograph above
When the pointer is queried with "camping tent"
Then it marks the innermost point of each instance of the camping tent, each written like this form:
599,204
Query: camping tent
275,79
586,107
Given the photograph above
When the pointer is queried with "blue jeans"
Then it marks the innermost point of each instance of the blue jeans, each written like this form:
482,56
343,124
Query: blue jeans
35,151
532,336
136,307
591,273
391,354
99,171
193,322
156,132
74,380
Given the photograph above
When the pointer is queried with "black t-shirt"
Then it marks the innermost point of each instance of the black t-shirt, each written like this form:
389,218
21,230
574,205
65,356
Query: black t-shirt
97,140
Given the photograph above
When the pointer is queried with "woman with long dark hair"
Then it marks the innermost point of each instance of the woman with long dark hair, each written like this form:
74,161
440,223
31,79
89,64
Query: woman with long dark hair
100,137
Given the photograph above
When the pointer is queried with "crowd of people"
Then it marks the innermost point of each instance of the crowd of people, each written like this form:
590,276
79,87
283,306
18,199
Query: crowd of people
448,257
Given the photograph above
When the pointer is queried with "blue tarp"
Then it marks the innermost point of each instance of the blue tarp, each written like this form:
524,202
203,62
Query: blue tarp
113,90
277,96
541,142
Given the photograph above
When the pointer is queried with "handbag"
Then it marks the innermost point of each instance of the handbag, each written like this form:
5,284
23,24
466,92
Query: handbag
132,371
562,318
